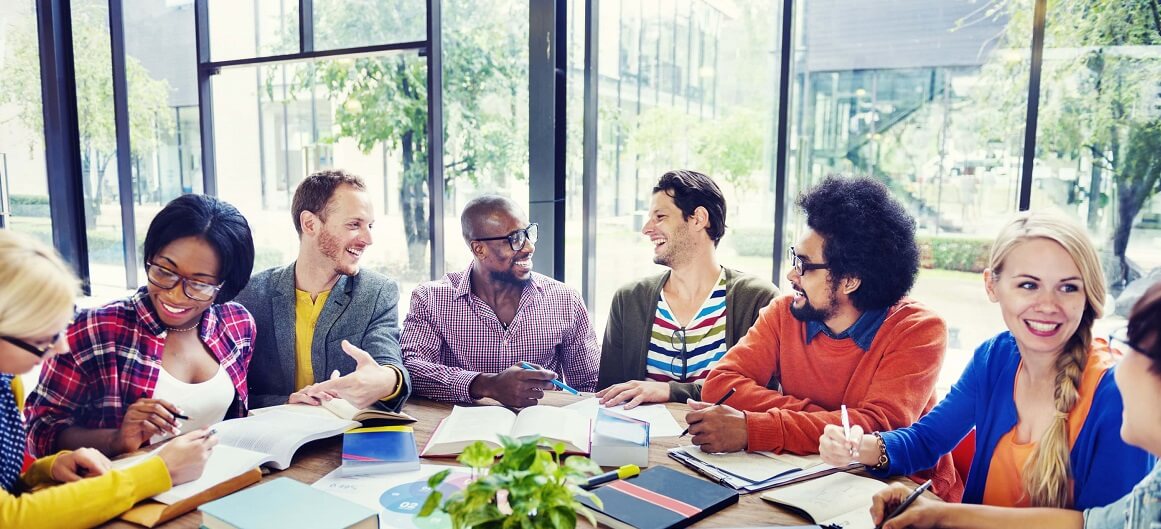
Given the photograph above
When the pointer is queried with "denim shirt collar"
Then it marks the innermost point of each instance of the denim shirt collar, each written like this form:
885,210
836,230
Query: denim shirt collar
862,332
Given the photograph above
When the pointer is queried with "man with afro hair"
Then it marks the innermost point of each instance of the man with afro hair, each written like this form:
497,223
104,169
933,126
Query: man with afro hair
846,335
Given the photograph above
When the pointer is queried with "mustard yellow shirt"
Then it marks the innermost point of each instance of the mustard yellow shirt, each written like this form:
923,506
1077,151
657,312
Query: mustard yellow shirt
306,313
83,503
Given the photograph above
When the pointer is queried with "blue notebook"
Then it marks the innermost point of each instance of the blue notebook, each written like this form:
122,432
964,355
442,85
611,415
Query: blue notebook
284,503
378,450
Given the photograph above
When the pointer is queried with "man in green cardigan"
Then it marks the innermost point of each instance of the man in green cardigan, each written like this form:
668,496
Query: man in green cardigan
665,332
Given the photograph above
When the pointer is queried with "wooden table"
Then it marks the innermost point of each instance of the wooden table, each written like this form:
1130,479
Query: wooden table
319,458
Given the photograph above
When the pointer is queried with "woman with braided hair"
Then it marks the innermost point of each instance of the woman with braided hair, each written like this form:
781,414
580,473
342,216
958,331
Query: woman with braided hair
1041,395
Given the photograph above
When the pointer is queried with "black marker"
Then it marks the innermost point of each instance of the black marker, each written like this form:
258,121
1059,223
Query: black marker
720,401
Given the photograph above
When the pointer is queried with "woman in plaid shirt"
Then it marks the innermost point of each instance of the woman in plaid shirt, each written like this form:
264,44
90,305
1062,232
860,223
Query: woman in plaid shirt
170,358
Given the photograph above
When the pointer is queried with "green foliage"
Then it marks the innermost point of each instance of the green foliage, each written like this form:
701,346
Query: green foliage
752,241
527,488
728,148
964,254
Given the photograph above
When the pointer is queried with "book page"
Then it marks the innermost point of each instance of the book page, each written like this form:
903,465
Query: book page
751,467
837,498
279,433
554,423
226,462
465,425
661,421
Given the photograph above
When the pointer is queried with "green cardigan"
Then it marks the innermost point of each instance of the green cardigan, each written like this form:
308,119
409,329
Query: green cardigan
631,323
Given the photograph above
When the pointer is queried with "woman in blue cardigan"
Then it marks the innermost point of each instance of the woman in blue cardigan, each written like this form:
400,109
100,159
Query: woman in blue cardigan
1040,395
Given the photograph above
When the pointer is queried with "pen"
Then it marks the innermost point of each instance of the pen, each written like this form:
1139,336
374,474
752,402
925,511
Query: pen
554,381
906,502
210,433
180,416
626,471
846,424
718,403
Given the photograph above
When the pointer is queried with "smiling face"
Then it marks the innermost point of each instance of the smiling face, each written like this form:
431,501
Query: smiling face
815,295
497,257
668,231
345,232
1041,295
191,258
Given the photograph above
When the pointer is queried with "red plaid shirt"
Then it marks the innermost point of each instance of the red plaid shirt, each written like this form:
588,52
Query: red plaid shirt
450,336
115,359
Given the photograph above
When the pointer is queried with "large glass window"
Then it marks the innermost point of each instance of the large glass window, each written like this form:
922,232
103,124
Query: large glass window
911,93
1099,131
23,181
684,84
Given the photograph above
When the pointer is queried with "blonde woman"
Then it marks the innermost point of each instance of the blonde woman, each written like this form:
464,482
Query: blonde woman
1040,395
73,489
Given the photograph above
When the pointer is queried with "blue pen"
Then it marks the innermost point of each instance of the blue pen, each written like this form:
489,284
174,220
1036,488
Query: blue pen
555,382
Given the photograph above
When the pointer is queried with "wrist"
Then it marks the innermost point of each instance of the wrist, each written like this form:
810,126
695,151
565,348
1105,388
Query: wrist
879,459
481,386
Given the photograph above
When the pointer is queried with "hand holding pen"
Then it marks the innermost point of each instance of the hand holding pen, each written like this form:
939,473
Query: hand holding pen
909,509
717,427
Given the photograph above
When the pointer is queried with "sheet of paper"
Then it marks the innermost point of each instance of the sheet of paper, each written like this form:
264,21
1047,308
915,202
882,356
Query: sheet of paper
752,467
837,498
225,463
661,421
398,497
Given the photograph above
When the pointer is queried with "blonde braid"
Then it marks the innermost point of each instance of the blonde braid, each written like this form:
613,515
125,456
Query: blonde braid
1048,472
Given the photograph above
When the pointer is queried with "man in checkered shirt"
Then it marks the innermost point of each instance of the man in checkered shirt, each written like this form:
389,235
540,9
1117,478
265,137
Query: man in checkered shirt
467,334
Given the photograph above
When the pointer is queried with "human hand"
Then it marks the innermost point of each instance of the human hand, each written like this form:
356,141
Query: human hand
144,419
185,456
838,450
922,513
516,386
717,428
634,392
368,383
79,464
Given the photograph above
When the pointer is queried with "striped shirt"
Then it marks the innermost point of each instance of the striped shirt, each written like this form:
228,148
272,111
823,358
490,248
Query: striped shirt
450,336
672,358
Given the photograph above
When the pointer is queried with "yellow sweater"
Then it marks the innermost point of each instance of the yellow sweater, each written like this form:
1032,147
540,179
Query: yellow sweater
83,503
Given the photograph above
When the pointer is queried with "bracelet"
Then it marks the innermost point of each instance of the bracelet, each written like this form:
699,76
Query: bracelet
883,461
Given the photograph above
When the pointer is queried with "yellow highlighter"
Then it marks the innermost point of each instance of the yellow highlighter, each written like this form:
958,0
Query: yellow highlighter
626,471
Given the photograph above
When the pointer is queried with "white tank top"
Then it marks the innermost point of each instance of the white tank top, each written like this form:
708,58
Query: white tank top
205,403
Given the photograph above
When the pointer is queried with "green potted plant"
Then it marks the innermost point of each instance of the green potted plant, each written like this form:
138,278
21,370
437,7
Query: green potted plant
527,488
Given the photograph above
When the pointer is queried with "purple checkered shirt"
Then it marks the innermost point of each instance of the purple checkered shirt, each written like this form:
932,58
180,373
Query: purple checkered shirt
451,335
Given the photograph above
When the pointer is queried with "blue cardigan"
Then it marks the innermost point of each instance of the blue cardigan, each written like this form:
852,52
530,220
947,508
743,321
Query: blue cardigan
1104,468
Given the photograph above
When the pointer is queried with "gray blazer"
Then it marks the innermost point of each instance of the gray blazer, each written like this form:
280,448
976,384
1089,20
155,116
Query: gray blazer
362,308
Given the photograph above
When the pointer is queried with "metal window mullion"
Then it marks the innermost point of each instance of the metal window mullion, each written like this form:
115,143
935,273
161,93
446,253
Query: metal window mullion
205,97
435,187
1038,19
590,138
306,26
124,147
782,139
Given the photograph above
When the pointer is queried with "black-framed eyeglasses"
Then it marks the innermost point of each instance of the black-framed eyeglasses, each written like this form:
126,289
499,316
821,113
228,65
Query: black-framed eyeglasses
677,340
801,267
41,350
517,239
162,277
1119,340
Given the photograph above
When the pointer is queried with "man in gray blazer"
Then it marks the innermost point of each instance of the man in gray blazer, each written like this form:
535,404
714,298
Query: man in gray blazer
326,328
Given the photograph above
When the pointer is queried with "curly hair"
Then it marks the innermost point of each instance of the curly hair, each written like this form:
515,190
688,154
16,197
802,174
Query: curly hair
868,236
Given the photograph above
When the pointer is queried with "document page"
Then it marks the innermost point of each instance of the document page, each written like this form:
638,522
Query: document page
279,433
478,423
839,498
661,421
556,423
752,467
225,463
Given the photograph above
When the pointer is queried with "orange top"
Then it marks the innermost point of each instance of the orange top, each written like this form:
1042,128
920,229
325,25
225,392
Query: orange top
1005,485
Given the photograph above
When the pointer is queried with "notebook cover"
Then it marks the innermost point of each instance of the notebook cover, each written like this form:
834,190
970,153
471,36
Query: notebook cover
286,503
662,498
382,444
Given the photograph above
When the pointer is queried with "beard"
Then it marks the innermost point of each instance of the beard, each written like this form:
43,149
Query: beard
330,246
808,312
506,276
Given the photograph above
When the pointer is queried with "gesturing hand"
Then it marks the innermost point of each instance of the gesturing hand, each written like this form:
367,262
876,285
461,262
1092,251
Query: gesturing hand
80,464
368,383
515,386
144,419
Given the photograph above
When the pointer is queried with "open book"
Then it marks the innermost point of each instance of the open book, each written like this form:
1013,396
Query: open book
836,499
342,409
465,426
753,471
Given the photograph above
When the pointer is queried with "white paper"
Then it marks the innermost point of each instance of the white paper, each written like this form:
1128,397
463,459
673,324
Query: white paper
397,497
661,421
226,462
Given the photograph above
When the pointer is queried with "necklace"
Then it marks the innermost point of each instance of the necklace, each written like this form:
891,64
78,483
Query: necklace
183,329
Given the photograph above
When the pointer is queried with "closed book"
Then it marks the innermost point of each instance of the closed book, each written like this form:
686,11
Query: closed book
378,450
660,498
284,503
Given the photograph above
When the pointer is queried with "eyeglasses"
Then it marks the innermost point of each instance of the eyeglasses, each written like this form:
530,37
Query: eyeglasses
801,267
162,277
517,239
677,341
1119,340
41,350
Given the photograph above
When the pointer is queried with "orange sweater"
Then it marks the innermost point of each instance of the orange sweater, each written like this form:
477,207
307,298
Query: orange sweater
887,387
